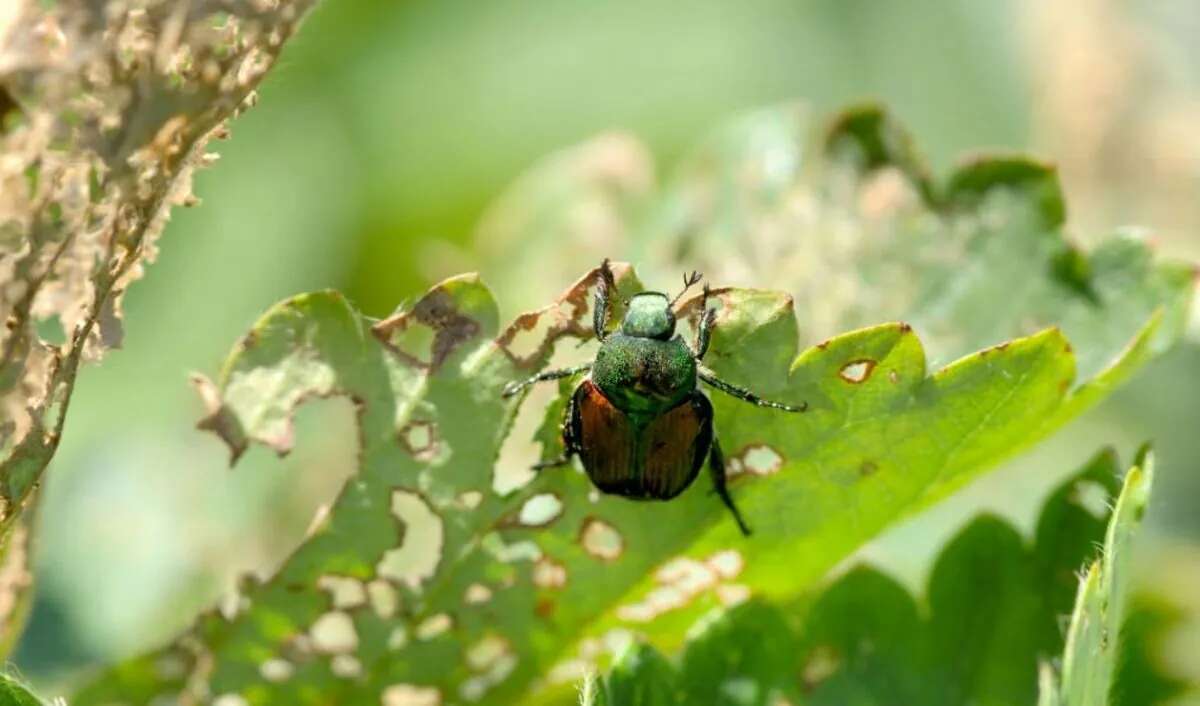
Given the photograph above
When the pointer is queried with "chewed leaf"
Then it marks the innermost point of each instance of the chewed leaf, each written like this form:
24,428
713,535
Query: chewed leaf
431,581
93,162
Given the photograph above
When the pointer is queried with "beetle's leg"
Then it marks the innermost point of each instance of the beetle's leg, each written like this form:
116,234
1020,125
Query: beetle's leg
604,290
745,395
716,467
513,388
708,317
570,444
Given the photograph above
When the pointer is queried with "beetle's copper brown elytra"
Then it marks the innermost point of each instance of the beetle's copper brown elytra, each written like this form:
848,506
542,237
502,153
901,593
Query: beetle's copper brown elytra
639,422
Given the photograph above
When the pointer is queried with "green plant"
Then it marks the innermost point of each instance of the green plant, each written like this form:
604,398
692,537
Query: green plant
445,573
988,618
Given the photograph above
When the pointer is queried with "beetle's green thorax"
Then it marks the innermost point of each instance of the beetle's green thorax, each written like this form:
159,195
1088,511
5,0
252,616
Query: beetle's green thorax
644,376
649,316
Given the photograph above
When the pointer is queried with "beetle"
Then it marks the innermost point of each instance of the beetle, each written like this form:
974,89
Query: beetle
639,421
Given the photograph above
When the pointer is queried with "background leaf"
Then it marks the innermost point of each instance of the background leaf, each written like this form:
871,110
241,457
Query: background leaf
1090,659
990,610
14,693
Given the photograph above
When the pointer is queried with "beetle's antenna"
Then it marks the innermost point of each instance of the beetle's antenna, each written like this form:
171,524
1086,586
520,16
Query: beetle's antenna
688,281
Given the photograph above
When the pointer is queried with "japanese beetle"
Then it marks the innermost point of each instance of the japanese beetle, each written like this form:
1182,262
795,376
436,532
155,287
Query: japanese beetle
639,421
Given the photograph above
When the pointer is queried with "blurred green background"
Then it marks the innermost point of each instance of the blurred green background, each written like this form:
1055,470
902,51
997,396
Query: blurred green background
386,129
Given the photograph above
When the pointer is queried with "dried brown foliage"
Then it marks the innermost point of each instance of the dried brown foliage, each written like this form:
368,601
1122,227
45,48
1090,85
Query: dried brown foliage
106,108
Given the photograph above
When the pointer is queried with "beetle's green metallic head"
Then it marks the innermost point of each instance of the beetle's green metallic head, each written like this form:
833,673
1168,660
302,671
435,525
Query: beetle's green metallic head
649,315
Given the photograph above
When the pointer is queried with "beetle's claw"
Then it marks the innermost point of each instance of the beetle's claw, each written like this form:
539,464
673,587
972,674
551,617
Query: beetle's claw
510,389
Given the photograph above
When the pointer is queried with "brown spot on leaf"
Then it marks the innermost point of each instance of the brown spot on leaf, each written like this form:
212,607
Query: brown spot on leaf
420,439
857,371
868,468
438,312
219,419
568,316
544,607
905,328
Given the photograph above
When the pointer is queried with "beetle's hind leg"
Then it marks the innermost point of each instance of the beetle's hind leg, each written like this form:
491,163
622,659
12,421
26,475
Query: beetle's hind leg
570,443
716,467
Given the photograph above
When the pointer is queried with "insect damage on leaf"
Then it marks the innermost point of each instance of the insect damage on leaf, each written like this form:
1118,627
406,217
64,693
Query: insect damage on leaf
529,582
108,108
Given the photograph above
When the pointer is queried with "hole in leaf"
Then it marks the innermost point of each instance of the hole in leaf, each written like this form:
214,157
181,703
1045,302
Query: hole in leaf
345,666
470,499
728,564
433,626
411,695
857,371
417,557
334,632
761,460
420,439
398,638
383,597
486,652
548,573
731,594
344,592
601,539
476,594
540,510
276,670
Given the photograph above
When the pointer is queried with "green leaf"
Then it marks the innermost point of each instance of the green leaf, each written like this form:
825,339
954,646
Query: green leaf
991,608
641,676
14,693
425,580
1090,659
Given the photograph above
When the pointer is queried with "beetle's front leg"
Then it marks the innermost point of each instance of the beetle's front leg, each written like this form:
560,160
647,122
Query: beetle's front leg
716,467
745,395
708,317
604,290
513,388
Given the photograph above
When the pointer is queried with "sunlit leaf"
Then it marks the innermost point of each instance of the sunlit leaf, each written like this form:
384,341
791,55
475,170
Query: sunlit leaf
423,584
